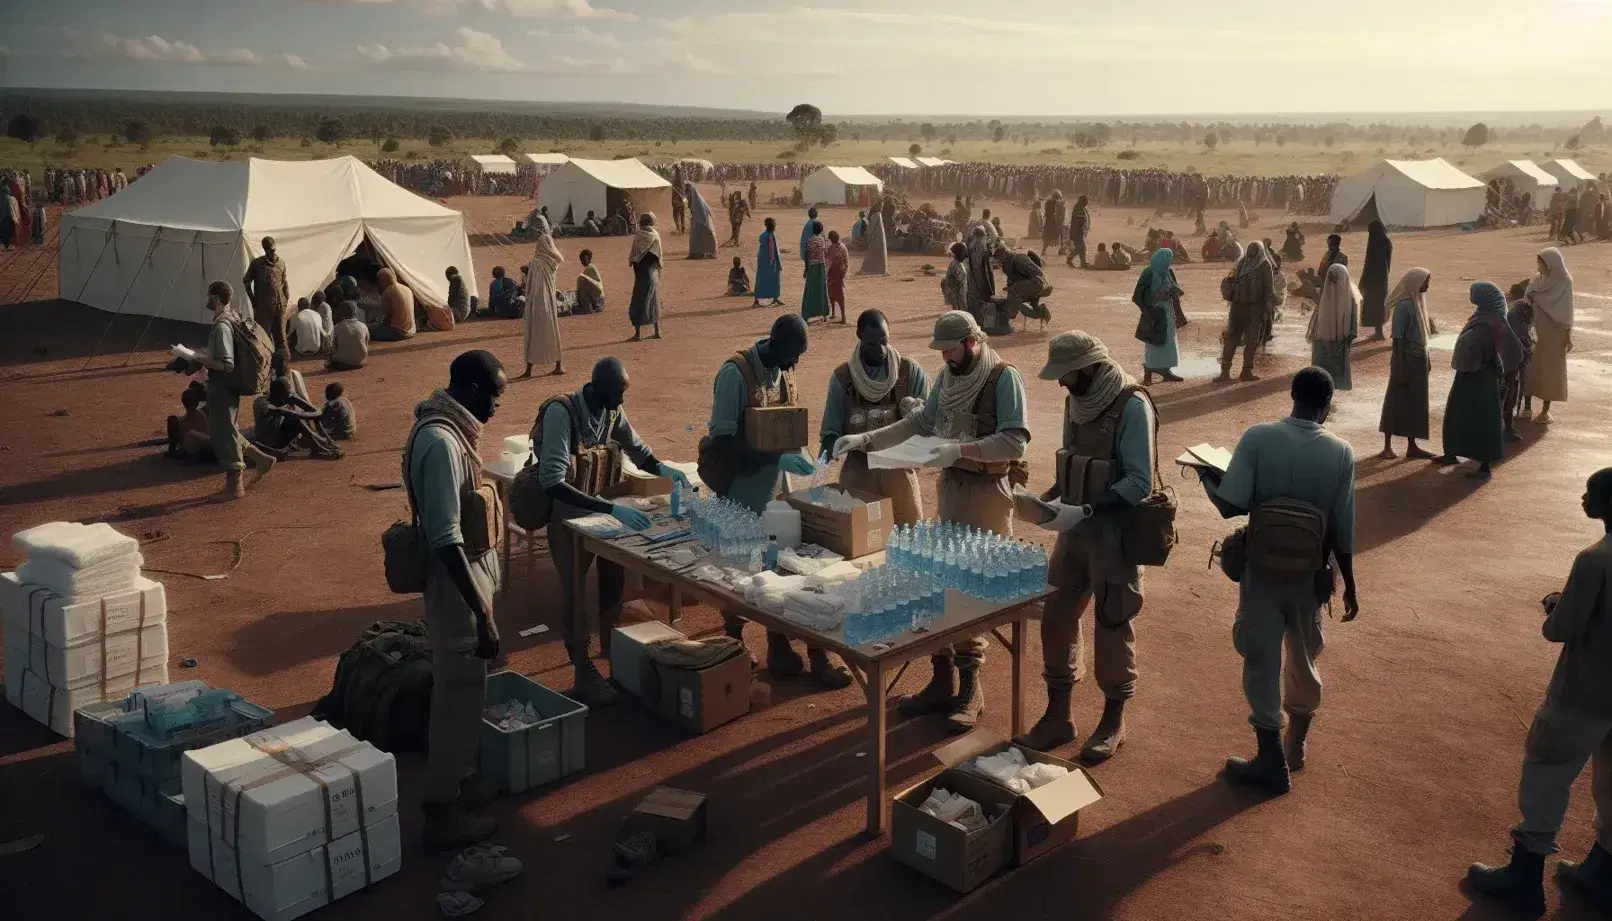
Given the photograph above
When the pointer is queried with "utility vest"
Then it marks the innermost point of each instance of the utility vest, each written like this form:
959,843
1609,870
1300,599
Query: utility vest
1088,464
862,415
717,468
593,466
981,423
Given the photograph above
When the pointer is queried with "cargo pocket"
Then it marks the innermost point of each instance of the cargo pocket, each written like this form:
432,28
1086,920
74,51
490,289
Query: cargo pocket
1554,739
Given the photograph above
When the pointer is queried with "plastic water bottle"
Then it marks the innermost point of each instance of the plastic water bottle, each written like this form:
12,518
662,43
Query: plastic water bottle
976,571
771,558
677,498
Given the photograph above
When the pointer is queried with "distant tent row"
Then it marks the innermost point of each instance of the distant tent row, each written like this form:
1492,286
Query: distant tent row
493,164
1525,176
1569,174
1433,193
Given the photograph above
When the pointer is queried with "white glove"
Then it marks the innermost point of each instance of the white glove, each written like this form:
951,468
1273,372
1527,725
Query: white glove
1067,517
910,405
848,443
945,455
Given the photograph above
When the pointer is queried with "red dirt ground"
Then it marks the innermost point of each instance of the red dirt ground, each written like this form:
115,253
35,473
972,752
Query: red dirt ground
1414,760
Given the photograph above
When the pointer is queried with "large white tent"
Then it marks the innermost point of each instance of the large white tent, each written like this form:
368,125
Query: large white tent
601,186
934,161
1409,193
494,164
1567,172
840,185
1525,176
153,248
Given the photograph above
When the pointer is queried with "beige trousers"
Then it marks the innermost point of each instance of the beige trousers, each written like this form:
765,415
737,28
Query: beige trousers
1271,616
986,502
1560,743
1086,565
458,678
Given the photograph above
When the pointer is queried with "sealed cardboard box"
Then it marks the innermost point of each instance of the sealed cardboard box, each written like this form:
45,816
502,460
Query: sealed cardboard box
35,610
701,700
627,652
302,882
1047,816
675,817
863,530
938,849
776,428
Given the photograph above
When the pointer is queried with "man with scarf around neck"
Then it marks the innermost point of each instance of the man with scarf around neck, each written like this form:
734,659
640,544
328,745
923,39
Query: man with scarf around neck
761,375
270,296
1294,459
1109,441
980,401
876,387
440,465
593,416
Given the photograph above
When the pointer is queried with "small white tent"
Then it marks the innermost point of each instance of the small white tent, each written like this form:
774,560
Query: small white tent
546,162
153,248
840,185
1525,176
494,164
934,161
601,186
1567,172
1409,193
903,162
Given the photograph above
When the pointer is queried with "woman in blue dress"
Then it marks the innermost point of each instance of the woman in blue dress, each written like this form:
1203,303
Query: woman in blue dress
1160,290
769,268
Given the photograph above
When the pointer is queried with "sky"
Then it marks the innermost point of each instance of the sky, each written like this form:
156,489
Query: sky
1052,58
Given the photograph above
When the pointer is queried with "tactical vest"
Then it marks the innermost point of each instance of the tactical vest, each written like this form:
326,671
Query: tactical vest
862,415
984,425
717,468
1088,464
592,467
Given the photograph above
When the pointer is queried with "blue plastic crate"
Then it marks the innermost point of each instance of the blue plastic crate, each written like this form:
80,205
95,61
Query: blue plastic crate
518,760
140,751
94,741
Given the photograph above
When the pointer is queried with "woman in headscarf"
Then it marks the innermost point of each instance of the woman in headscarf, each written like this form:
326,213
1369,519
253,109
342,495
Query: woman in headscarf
1334,326
954,287
701,232
838,259
1473,424
541,323
1333,256
1157,291
1293,246
981,276
1374,279
769,267
645,257
1551,293
814,302
860,228
876,260
1405,402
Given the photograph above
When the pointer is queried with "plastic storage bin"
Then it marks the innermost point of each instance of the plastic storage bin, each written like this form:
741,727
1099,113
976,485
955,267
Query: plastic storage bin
520,759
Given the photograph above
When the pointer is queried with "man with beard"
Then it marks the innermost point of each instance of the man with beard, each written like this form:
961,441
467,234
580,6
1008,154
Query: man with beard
980,402
760,376
270,296
592,417
876,387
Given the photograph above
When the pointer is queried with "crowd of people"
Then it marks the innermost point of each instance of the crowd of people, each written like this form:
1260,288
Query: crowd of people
443,177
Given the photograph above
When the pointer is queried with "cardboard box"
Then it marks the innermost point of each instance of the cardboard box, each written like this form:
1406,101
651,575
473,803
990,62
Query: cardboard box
940,850
675,817
700,701
627,652
35,610
859,532
80,665
302,882
637,484
1047,816
776,428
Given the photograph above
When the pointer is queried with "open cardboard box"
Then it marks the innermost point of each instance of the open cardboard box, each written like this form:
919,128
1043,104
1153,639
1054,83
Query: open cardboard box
1044,818
698,701
942,851
863,530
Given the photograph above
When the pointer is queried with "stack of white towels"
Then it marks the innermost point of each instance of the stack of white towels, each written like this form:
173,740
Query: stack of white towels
81,624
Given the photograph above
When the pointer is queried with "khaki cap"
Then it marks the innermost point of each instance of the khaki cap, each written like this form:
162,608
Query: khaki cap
952,328
1072,351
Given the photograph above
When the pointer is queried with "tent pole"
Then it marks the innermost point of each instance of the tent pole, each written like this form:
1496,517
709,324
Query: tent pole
86,284
194,242
124,299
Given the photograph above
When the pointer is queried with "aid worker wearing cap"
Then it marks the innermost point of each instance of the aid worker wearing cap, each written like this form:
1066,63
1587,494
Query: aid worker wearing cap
979,400
1105,467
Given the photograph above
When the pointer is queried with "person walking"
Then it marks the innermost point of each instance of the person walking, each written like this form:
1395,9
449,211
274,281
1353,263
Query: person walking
541,324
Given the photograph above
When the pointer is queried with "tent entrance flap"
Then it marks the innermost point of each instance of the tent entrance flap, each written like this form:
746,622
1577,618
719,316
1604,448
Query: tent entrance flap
1367,212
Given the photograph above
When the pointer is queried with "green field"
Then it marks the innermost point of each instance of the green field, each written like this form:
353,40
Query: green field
1233,158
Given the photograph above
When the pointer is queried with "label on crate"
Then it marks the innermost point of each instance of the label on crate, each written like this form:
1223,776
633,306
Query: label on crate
924,844
685,702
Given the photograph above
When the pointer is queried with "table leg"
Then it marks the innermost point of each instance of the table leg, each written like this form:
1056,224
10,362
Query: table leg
1020,631
674,617
579,587
876,729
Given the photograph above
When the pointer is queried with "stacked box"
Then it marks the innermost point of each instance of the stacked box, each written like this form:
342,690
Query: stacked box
64,652
291,818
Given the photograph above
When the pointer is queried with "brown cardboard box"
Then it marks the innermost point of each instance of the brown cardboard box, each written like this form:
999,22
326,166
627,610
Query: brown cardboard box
863,530
960,859
1047,816
675,817
776,428
634,484
700,701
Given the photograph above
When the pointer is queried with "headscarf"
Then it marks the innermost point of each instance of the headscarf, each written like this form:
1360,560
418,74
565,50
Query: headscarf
1252,260
1472,352
1161,278
545,253
439,406
1410,289
1488,298
1237,252
1335,316
699,212
1553,293
645,240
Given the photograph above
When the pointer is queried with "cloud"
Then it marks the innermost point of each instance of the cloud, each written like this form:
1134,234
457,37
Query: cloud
520,9
295,62
469,51
238,56
580,35
156,49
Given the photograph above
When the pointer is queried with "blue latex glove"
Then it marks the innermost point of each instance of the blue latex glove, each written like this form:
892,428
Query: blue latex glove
798,464
675,474
631,518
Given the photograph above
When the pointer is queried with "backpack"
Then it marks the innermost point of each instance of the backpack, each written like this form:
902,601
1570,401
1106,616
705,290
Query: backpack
382,687
1035,257
1286,540
253,349
529,502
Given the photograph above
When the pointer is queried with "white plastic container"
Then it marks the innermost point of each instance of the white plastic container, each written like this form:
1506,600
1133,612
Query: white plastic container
782,520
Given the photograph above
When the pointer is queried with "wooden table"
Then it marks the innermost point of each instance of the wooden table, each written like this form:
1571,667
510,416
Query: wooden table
875,670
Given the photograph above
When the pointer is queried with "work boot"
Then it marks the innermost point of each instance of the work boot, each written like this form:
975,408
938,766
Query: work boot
591,687
477,792
1267,773
260,463
828,673
1592,878
969,703
1298,726
782,659
1055,728
1109,735
936,697
735,630
233,488
1520,884
449,828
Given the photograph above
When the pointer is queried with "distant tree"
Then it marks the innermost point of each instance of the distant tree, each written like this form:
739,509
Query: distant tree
828,134
1573,143
1211,140
306,142
951,139
928,131
915,150
1593,131
25,127
222,136
137,132
1476,136
597,132
998,133
67,136
262,134
330,131
438,136
1281,140
509,147
1330,140
389,145
807,120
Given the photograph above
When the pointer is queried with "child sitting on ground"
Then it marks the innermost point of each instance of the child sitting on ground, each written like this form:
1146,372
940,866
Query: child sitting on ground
337,417
590,286
292,422
190,436
738,279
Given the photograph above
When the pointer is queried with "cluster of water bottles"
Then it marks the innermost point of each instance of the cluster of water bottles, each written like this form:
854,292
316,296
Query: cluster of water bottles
732,531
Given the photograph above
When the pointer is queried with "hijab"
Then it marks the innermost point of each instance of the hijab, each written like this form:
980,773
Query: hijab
545,252
645,240
698,210
1252,260
1553,293
1161,276
1410,289
1334,319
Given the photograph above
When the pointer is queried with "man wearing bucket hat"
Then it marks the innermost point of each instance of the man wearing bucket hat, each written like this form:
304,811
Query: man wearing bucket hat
1104,469
979,400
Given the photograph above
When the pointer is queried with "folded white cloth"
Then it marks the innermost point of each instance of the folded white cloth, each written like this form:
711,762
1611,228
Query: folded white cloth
955,809
79,546
75,584
1010,769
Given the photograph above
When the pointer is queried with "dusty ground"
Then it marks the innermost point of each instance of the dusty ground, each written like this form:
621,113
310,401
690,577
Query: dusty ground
1414,758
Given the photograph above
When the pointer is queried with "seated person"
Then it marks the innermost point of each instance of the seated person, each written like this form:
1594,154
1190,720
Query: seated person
1309,285
290,418
1177,247
1101,262
591,227
1154,235
1211,248
190,435
738,279
337,417
458,296
308,335
503,296
327,314
590,287
1124,257
349,347
397,310
620,223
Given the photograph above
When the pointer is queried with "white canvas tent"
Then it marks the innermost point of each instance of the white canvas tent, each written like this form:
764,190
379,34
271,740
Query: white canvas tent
840,185
601,186
1525,176
494,164
546,162
934,161
153,248
1567,172
1409,193
902,162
